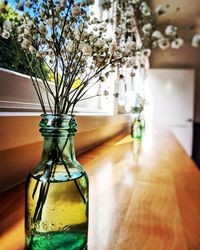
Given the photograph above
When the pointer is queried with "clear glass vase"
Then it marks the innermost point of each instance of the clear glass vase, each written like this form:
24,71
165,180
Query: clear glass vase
56,210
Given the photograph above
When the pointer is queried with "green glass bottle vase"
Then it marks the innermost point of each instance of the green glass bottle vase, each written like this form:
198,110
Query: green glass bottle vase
56,210
136,129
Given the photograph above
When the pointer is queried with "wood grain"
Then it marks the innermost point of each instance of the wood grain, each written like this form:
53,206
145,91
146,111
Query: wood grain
144,195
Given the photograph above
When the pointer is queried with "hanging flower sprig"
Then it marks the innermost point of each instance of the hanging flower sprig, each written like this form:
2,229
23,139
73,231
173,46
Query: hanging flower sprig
152,34
156,35
127,20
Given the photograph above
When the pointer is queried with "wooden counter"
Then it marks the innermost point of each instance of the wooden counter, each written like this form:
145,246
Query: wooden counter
143,196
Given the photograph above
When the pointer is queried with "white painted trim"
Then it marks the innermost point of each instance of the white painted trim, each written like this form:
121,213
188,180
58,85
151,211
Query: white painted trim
81,113
17,94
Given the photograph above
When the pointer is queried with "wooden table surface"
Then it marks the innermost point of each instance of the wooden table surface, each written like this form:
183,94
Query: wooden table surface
144,195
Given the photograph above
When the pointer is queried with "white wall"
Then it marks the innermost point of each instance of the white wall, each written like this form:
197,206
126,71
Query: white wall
172,102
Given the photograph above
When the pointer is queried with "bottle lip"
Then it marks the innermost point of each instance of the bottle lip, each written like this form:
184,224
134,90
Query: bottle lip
57,119
58,115
61,125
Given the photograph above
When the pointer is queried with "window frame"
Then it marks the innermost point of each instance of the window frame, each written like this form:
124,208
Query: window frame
17,94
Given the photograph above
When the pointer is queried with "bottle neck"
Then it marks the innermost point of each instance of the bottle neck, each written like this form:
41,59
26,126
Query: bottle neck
58,149
58,132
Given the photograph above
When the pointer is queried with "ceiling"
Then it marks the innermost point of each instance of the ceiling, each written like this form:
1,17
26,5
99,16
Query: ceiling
189,13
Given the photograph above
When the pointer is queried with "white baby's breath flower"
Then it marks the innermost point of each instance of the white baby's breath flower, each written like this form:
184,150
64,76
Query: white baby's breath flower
196,40
118,31
163,43
43,29
113,46
131,61
177,43
50,53
26,32
63,3
109,39
20,29
100,43
7,25
160,9
147,28
102,78
106,93
82,26
20,6
94,20
90,2
49,21
76,11
146,11
129,13
144,62
29,23
132,74
135,1
86,49
28,4
84,3
5,34
39,54
56,20
92,38
130,45
20,16
58,9
146,52
171,30
26,43
32,49
156,34
20,37
77,34
102,27
70,46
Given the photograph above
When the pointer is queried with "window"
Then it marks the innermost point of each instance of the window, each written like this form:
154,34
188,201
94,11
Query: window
17,94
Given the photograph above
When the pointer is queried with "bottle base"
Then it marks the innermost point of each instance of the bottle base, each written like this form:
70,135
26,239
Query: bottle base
57,240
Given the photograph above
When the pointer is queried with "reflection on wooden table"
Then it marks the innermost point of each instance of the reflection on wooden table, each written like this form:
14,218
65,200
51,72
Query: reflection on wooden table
144,195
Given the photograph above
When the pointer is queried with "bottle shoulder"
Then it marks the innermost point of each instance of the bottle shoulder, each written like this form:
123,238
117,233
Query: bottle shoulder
59,171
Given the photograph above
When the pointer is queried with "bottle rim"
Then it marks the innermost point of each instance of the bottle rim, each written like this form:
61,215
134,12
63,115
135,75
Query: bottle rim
59,125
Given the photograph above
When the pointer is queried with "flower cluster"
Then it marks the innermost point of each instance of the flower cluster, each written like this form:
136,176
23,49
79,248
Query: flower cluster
152,35
7,28
168,39
136,55
155,35
72,43
8,18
